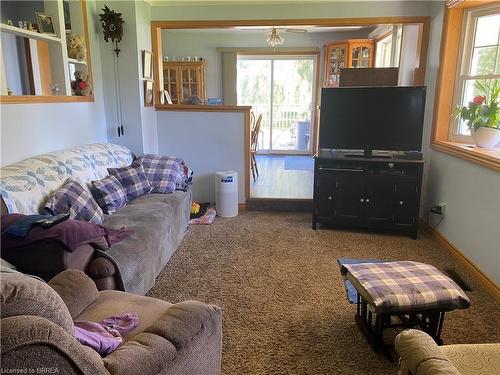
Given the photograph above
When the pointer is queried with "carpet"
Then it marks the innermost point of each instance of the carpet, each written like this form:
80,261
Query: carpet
300,163
282,296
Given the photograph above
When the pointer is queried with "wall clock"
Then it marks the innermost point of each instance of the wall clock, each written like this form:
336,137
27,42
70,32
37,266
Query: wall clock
112,25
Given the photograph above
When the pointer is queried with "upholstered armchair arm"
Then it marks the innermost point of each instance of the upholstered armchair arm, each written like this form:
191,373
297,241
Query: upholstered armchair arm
76,289
189,326
37,344
420,355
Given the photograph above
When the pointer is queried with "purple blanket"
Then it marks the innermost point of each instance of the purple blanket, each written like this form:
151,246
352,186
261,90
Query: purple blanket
70,233
106,336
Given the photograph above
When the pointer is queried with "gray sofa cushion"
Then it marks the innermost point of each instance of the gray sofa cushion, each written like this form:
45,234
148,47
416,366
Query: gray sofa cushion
160,222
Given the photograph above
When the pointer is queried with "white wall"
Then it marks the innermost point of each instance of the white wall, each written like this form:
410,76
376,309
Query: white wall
125,72
470,191
32,129
208,142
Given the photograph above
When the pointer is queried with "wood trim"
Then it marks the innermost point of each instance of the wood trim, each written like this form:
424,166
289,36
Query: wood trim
313,144
228,24
450,45
484,157
202,108
246,150
242,206
157,62
491,287
26,99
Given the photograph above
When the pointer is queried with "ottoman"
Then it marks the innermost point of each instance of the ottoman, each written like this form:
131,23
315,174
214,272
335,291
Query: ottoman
402,294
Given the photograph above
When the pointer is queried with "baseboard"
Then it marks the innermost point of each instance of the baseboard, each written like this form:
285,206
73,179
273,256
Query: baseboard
490,286
242,206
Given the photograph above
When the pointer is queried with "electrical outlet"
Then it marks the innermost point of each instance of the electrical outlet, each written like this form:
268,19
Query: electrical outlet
443,208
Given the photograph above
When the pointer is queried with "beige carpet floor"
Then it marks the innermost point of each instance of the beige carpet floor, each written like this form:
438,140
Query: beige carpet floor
284,305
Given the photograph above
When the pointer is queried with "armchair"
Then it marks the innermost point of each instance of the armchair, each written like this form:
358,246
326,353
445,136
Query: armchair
38,332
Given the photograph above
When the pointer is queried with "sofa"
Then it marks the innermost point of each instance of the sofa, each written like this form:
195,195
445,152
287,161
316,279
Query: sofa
37,325
159,221
421,356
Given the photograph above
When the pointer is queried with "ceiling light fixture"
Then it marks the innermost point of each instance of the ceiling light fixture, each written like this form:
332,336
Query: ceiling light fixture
274,39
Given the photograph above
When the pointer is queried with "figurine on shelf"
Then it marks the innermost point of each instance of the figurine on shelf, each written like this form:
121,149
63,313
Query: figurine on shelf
80,86
32,26
76,47
9,23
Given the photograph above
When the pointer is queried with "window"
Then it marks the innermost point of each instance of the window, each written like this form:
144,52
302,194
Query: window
469,53
480,61
384,47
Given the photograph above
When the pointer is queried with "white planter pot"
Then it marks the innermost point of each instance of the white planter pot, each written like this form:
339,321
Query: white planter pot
486,137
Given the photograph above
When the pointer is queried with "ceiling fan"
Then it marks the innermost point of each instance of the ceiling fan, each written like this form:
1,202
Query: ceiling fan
273,37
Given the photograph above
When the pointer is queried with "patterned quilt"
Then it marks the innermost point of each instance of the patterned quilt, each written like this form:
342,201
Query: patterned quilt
405,286
25,185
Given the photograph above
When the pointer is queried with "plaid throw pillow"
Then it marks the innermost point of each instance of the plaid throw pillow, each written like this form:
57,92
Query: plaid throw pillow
109,194
72,198
163,172
133,180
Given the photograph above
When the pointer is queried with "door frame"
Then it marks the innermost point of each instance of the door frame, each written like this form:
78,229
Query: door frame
315,55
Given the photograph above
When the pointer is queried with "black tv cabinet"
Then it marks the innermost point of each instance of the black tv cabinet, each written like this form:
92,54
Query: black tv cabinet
369,192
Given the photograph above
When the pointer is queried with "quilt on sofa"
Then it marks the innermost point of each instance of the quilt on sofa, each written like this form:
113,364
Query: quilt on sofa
159,221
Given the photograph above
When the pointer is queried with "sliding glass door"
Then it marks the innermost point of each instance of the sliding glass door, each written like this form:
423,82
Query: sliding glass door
281,88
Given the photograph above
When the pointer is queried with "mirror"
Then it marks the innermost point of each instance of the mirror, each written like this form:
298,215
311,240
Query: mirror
44,51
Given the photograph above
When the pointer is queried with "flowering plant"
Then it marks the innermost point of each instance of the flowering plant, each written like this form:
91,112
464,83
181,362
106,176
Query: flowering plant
483,110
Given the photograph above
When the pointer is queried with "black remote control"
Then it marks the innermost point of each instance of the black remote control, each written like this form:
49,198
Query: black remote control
50,222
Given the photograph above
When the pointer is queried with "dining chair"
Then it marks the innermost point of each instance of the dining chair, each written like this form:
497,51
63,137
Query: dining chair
253,147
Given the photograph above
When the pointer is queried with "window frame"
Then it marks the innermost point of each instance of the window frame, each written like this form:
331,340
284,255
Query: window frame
443,102
468,36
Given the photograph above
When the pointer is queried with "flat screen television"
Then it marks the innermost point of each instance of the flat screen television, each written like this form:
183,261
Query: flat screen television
372,118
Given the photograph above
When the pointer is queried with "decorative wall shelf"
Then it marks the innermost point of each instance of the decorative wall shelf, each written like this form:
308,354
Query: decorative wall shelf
29,34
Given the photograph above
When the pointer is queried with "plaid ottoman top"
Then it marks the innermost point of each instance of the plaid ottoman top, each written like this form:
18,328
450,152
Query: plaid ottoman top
405,286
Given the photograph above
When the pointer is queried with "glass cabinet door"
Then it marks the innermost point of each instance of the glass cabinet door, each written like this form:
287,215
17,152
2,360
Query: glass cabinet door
170,83
336,61
189,82
360,57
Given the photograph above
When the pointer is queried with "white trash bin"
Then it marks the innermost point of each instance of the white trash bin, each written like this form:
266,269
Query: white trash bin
226,193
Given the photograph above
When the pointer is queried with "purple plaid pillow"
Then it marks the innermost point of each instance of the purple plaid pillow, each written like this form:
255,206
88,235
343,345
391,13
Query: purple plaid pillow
133,179
163,172
72,198
109,194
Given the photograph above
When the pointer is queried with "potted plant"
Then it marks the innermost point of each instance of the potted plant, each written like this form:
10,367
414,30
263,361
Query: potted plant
482,114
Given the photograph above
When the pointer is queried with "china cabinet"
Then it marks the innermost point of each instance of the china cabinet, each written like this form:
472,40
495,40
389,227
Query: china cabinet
351,53
183,79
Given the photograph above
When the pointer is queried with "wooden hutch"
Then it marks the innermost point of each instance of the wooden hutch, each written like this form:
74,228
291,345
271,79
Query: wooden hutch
351,53
183,79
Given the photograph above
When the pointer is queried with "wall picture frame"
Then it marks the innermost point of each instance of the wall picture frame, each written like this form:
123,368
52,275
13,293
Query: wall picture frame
45,23
148,93
147,65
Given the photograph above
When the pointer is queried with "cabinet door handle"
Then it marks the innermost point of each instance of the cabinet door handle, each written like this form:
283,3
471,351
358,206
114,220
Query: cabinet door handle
400,203
361,200
367,200
330,198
